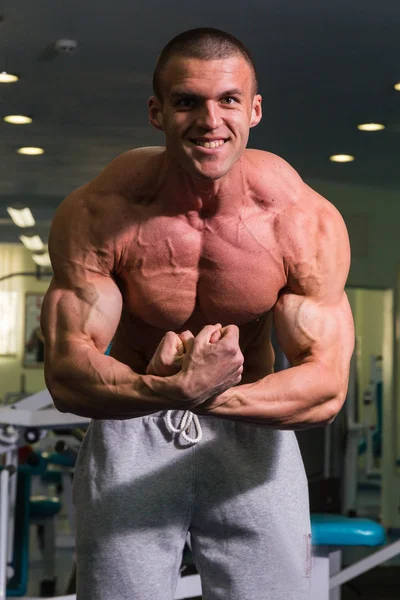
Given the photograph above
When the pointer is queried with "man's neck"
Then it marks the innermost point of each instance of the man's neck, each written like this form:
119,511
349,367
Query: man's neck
207,197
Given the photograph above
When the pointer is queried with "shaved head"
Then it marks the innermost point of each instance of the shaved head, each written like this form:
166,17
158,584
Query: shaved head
204,43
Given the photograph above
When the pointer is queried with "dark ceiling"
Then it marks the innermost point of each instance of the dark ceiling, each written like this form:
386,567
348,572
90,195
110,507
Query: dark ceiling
324,66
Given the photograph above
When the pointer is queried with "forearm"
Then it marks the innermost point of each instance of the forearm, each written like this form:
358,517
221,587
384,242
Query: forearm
90,384
304,396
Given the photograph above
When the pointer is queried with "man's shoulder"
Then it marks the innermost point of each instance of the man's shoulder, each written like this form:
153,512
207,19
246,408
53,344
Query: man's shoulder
129,171
313,235
118,184
274,175
273,178
269,160
303,219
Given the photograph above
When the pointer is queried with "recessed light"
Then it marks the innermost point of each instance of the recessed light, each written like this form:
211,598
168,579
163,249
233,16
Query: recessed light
8,77
32,242
397,86
43,260
371,126
341,158
21,216
30,150
17,119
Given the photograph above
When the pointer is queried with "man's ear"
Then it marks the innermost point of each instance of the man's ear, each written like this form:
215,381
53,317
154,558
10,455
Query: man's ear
155,113
256,112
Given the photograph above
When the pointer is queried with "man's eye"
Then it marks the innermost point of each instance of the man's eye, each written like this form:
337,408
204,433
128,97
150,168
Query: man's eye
229,100
185,102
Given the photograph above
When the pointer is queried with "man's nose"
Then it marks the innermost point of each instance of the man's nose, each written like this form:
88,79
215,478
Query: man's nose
209,116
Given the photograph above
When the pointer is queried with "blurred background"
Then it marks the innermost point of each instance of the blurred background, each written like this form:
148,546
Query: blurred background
74,82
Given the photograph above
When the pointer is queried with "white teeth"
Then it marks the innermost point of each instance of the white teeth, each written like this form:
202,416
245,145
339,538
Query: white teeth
215,144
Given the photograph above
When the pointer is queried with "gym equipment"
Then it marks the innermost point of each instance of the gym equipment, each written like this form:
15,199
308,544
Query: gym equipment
364,438
354,431
23,422
330,533
372,400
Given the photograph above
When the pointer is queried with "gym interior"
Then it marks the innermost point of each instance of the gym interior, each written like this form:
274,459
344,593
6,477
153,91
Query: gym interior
74,84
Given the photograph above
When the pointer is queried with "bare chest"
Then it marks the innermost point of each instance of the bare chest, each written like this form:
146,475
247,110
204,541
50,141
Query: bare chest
175,271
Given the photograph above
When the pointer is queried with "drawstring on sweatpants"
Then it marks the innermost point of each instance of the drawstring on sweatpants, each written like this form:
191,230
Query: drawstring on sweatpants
188,418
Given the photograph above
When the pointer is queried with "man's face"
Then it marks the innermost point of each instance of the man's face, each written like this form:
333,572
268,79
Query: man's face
208,108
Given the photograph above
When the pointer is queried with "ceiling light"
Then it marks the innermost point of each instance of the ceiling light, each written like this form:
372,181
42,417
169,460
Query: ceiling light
43,260
18,119
397,86
22,217
30,150
8,77
33,242
371,126
341,158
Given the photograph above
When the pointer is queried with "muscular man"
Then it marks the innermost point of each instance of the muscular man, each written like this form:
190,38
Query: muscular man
183,255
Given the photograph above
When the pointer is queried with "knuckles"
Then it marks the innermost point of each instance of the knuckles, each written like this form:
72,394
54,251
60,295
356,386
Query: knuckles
239,358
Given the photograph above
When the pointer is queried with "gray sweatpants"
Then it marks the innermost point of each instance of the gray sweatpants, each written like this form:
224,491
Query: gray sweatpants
241,492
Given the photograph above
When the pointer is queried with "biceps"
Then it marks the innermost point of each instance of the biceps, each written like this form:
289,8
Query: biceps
309,329
85,315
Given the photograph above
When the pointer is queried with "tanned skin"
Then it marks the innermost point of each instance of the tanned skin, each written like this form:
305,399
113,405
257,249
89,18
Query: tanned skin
185,255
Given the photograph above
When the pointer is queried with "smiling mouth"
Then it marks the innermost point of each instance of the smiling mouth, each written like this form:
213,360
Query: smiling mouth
211,144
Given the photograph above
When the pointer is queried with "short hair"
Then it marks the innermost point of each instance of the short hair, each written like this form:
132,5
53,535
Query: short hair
204,43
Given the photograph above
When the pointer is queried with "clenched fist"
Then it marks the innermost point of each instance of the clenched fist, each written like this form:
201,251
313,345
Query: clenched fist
211,364
167,359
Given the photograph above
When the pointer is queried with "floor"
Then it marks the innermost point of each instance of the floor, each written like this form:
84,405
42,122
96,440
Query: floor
378,584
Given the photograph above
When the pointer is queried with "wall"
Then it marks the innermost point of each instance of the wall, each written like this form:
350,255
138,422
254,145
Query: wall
14,258
369,333
372,216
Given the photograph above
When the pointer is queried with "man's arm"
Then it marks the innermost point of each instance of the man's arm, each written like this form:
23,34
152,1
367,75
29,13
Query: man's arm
80,315
315,330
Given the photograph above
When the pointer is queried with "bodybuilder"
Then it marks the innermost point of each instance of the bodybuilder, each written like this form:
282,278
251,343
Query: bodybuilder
183,255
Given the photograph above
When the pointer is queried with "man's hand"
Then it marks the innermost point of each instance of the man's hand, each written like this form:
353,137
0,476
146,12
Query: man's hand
167,359
206,365
212,362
